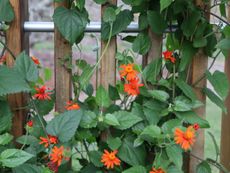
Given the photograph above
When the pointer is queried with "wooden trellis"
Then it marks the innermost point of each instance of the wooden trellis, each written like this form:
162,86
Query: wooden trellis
17,41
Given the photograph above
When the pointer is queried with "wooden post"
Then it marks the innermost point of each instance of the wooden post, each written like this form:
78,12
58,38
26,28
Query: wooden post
108,62
62,49
198,68
17,41
155,50
225,129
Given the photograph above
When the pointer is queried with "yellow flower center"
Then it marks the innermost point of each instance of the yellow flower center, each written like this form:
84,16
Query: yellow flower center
188,134
129,69
112,156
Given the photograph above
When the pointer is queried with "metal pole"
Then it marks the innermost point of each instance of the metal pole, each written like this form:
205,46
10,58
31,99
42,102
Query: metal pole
36,26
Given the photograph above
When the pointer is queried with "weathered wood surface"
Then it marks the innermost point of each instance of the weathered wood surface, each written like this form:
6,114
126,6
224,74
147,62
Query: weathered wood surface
62,49
17,41
225,129
108,63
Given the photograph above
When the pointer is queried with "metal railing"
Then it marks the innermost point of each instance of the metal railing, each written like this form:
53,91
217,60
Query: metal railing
36,26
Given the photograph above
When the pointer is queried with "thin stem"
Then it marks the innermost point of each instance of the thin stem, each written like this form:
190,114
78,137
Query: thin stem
8,49
36,110
24,143
203,76
218,17
174,78
86,147
104,51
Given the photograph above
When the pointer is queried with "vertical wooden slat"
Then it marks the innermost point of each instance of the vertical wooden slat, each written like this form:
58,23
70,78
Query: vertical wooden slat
225,129
155,50
17,41
108,62
198,68
62,76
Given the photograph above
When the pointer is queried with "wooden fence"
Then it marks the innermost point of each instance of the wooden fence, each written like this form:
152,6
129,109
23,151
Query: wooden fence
18,41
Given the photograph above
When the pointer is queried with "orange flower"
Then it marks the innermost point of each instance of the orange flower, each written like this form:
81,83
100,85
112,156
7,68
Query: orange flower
185,139
30,123
42,93
57,155
128,71
168,55
132,88
109,159
159,170
35,60
71,106
50,140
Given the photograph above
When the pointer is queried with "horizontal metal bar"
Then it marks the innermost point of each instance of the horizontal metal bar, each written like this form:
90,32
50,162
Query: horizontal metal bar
31,26
36,26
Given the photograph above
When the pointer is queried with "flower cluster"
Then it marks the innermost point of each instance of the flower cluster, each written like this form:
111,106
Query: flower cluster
168,56
131,75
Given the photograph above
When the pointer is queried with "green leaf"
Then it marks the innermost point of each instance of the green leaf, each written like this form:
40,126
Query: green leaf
100,1
141,44
44,106
95,158
156,22
165,3
85,76
192,118
203,167
161,160
5,116
222,9
47,74
28,168
174,169
220,83
132,2
65,125
152,116
175,155
126,119
70,23
12,82
200,42
187,90
7,12
159,95
130,154
110,119
123,19
188,26
14,157
27,139
215,99
109,15
224,44
89,120
5,138
113,93
102,97
152,70
168,126
114,143
142,21
187,53
151,133
135,169
25,66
